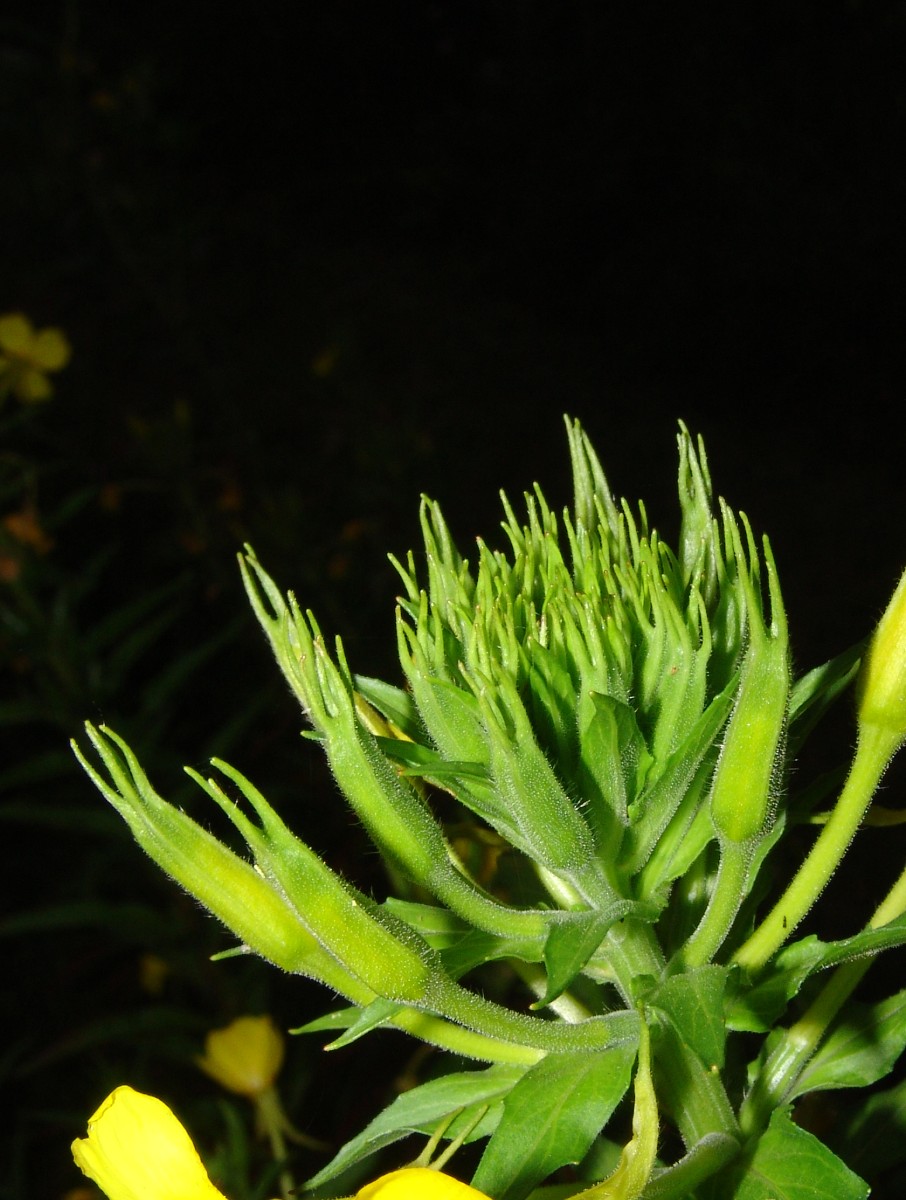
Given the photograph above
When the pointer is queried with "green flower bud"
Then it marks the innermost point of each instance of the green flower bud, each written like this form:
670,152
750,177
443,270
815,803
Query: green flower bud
229,887
882,681
741,793
387,955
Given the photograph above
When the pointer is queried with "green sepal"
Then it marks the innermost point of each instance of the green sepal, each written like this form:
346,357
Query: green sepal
395,815
449,712
544,822
592,497
551,702
699,548
226,885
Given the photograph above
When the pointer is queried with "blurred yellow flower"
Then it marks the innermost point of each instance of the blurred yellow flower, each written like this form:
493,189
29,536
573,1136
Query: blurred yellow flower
245,1056
136,1149
418,1183
27,356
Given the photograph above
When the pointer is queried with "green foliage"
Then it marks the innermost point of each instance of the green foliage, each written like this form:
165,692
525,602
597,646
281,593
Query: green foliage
580,798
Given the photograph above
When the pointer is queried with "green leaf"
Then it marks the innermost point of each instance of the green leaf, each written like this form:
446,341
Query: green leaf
424,763
791,1164
694,1002
551,1117
876,1137
651,813
438,926
372,1016
755,1009
477,947
568,947
462,946
610,745
575,937
811,695
861,1049
424,1107
391,702
340,1018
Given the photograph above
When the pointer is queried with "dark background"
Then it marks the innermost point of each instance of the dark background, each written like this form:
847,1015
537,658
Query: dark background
486,214
317,259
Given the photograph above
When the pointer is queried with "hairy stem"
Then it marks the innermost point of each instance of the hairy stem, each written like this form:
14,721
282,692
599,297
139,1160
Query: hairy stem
873,752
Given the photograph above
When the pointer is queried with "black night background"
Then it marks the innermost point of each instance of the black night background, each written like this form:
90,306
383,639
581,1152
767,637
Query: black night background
315,260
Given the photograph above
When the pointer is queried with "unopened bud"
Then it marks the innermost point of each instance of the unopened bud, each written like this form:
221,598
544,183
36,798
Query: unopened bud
882,682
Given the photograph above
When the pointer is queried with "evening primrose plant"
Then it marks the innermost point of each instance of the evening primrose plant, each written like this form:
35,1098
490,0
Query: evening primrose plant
580,789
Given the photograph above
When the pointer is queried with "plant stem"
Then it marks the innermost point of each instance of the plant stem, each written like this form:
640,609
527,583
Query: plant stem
696,1096
729,892
874,750
632,952
270,1116
790,1056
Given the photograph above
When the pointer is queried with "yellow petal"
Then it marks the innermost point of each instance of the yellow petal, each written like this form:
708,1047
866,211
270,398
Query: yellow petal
136,1149
31,385
15,333
50,349
245,1056
418,1183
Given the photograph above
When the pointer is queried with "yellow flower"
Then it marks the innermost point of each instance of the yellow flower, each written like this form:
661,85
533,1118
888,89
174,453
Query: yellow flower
136,1149
27,356
245,1056
418,1183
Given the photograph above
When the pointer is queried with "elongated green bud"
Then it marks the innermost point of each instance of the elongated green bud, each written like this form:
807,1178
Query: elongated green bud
882,682
393,962
230,888
741,793
881,714
395,816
